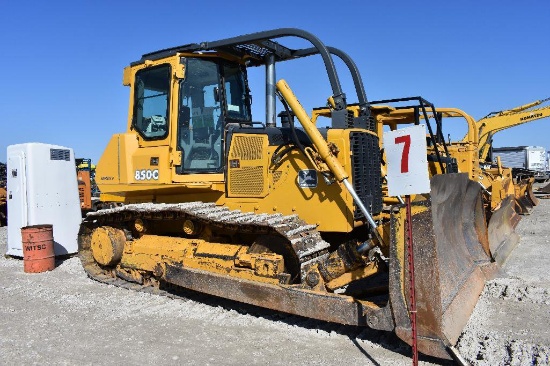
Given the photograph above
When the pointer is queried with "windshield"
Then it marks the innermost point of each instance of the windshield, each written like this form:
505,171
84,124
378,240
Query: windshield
199,119
203,110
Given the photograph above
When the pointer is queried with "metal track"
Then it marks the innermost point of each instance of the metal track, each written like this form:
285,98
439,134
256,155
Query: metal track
304,239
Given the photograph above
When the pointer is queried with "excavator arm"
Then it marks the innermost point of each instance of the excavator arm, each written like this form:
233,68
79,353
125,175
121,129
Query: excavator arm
498,121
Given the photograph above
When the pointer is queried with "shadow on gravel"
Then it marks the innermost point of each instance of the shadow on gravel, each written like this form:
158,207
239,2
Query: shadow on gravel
60,259
387,340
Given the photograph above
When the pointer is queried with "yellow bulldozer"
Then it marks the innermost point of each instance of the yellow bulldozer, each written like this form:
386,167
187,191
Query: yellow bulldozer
293,219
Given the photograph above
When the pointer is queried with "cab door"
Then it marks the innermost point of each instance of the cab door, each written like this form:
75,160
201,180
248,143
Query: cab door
151,119
200,123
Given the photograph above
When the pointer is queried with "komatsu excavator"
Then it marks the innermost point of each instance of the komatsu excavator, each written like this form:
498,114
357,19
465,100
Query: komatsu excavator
495,122
291,219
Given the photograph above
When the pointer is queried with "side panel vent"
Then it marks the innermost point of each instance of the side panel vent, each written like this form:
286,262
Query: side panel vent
247,147
247,182
247,166
60,154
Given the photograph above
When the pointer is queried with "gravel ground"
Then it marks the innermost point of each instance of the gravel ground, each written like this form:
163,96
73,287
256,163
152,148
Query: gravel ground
62,317
509,325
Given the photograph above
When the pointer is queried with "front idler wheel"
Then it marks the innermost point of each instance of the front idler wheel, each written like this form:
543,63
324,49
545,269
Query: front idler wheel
107,245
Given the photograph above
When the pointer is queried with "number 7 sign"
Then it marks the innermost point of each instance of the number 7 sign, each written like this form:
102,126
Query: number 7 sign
407,162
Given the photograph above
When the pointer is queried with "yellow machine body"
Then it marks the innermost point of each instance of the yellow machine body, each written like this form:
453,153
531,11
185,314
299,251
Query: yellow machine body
256,185
293,219
496,181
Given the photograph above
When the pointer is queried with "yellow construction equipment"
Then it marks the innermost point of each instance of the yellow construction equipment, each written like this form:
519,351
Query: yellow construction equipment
502,198
292,219
85,172
494,122
3,195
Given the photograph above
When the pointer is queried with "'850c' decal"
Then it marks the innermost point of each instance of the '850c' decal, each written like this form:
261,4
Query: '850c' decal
146,174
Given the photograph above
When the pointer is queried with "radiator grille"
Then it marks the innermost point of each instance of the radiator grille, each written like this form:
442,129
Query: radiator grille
247,181
247,147
366,172
60,154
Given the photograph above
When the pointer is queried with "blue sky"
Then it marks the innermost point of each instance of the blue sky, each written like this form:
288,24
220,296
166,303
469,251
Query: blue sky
62,61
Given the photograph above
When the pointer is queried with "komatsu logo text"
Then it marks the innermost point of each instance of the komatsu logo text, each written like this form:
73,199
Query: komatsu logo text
537,115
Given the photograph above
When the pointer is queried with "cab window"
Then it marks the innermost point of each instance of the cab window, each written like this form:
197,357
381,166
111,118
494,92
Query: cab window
199,122
151,102
236,94
213,92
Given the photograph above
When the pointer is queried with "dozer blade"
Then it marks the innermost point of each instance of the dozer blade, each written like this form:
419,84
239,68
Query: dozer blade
452,262
545,189
502,237
531,195
525,198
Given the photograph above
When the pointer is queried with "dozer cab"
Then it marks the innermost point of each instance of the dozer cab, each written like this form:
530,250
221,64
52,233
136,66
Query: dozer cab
265,213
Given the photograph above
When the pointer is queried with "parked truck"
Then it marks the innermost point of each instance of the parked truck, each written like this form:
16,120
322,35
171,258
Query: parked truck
524,160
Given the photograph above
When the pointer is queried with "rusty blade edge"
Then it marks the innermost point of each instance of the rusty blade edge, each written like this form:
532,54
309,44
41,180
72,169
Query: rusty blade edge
288,299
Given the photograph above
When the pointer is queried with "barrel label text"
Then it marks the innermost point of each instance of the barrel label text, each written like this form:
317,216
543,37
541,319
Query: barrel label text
36,247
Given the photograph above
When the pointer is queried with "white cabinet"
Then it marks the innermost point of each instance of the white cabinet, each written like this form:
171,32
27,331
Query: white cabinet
42,189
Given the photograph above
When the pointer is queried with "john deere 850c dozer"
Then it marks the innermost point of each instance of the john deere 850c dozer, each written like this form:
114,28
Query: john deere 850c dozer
271,215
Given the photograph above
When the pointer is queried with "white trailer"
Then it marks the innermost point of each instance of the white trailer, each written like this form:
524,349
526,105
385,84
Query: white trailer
529,159
42,189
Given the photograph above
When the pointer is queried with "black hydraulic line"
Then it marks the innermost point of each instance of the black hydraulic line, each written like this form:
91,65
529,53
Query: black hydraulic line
428,124
354,71
293,134
278,154
438,121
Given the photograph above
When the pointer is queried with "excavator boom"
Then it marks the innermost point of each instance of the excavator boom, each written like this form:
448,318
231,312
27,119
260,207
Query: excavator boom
495,122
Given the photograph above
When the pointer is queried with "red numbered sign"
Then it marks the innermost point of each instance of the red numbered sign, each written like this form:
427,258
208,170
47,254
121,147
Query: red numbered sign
406,160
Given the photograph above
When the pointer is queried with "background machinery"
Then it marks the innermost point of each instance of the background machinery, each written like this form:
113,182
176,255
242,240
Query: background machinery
87,188
502,199
3,207
494,122
3,195
291,219
525,161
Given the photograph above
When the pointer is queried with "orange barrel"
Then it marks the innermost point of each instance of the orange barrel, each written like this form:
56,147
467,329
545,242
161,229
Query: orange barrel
38,253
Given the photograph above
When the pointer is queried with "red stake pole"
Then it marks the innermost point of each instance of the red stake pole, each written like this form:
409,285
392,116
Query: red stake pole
412,299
